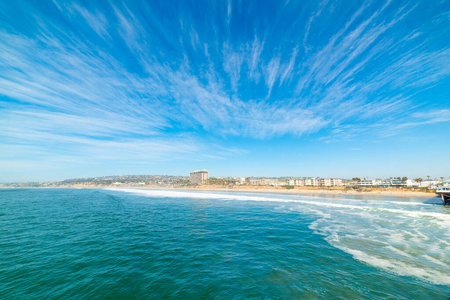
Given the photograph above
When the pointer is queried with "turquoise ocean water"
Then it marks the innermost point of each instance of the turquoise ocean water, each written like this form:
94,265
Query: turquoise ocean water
156,244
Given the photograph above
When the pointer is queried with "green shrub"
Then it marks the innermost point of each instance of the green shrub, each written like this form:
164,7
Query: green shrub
288,187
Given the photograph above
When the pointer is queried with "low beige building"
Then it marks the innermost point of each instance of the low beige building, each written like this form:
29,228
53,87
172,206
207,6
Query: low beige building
259,181
311,182
330,182
296,182
316,182
199,177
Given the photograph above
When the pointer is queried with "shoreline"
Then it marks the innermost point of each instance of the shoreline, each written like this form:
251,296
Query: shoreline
301,191
262,189
326,192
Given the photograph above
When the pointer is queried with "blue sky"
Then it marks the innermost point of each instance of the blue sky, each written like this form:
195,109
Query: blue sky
241,88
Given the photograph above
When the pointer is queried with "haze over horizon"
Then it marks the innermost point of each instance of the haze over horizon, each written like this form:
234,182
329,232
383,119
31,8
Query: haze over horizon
241,88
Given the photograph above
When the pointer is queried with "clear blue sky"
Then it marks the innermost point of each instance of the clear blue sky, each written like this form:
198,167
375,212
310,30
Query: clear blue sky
241,88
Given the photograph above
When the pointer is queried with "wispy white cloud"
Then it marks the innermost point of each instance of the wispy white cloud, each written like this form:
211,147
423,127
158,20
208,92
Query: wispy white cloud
254,59
130,28
387,127
289,67
97,21
415,120
232,62
272,73
170,82
314,16
229,10
195,41
325,86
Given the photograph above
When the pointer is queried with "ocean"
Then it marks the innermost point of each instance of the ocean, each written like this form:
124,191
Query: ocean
173,244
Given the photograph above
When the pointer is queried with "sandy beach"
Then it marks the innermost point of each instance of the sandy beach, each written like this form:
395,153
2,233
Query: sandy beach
391,192
297,190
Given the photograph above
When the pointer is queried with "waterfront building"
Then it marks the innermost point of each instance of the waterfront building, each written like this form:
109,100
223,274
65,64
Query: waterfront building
299,182
324,182
429,183
338,182
276,182
398,183
411,183
385,183
330,182
199,177
311,182
259,181
266,181
367,182
239,180
445,184
393,183
296,182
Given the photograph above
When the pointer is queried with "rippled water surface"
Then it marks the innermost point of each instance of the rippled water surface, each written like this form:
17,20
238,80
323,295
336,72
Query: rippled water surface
138,244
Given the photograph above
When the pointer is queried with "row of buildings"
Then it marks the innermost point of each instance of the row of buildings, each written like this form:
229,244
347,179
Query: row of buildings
202,177
298,181
431,184
316,182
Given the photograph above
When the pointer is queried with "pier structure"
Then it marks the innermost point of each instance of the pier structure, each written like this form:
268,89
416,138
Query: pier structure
445,195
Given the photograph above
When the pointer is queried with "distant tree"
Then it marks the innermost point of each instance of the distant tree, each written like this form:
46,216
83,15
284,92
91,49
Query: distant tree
442,178
419,180
356,179
428,176
404,178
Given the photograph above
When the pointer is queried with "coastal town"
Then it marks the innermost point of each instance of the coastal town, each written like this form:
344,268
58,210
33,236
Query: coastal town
199,178
202,177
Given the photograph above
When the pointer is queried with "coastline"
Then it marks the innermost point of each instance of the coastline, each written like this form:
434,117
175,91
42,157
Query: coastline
260,189
295,191
326,192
